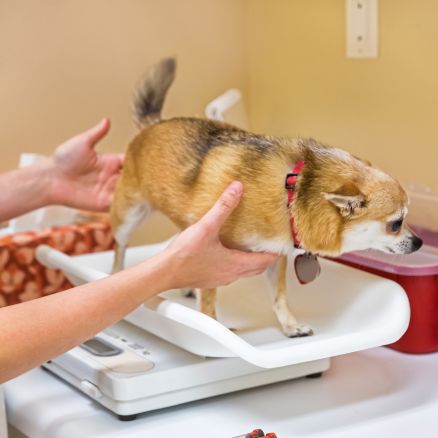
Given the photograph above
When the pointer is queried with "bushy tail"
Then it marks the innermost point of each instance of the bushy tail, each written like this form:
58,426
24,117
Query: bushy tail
149,96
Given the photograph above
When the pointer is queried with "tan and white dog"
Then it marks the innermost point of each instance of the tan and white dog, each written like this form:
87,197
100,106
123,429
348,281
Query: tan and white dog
180,166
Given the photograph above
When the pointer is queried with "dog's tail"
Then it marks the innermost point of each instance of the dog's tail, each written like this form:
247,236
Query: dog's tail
149,96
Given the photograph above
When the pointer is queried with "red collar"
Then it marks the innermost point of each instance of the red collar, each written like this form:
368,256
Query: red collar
291,179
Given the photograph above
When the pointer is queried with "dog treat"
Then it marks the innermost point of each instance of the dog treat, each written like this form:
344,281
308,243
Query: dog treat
257,433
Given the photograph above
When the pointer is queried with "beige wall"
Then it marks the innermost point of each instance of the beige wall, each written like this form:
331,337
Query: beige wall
300,82
65,64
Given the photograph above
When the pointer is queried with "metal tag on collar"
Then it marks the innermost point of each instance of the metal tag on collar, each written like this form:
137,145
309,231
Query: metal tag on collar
307,267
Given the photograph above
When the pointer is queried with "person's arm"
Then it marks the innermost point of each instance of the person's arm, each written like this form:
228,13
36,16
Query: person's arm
76,176
36,331
24,190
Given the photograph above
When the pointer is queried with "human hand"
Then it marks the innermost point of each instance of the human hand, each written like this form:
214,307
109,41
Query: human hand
198,258
82,178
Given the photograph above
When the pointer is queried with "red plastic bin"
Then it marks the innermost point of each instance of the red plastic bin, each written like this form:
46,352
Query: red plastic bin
417,273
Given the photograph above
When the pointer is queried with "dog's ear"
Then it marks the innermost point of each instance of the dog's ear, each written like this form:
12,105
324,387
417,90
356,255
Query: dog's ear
347,199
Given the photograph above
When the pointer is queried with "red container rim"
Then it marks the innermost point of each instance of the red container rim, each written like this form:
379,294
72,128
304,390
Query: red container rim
421,263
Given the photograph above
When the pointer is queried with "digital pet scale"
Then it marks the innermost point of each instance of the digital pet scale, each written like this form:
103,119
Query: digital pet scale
130,371
167,353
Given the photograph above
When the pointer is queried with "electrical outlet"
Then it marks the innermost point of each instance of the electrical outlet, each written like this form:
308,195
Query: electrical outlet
362,28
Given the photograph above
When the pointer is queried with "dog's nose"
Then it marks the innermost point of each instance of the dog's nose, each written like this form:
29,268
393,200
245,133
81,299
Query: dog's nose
416,243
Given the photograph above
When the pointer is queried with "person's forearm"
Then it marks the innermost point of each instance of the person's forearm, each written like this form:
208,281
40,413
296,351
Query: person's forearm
25,189
36,331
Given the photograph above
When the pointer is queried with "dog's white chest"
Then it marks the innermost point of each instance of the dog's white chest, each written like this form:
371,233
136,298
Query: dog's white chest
277,246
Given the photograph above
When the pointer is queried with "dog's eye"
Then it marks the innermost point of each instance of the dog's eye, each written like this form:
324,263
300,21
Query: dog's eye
395,226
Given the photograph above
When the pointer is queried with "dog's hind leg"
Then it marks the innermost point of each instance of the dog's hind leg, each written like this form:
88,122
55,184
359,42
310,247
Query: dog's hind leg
126,215
207,301
287,320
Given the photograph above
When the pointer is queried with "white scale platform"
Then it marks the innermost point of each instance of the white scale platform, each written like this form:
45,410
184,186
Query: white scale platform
349,310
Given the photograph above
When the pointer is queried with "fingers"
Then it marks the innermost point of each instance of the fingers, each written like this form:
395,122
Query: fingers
107,194
121,158
223,207
116,159
253,263
97,132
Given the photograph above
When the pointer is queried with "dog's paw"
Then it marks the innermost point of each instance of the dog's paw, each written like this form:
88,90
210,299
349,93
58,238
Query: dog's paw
188,293
297,331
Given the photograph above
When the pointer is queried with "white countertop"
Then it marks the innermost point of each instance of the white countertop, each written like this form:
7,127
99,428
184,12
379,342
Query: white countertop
377,393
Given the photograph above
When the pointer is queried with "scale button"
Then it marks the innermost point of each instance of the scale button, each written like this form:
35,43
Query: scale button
133,365
136,346
90,389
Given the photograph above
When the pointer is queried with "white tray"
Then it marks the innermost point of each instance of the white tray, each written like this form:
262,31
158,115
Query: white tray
348,309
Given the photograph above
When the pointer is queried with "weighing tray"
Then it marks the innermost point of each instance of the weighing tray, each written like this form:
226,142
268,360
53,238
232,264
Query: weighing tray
349,310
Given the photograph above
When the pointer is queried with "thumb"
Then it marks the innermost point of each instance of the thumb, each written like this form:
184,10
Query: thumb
224,206
93,135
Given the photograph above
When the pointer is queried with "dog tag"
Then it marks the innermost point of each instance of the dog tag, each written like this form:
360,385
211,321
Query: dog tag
307,267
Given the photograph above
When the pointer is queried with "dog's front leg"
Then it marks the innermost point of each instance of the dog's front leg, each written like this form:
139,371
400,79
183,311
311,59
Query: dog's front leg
287,320
207,301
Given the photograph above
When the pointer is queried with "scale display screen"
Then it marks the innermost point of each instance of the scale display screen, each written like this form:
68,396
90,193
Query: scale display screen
99,347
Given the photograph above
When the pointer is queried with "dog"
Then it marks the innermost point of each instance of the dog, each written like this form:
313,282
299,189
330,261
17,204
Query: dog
338,202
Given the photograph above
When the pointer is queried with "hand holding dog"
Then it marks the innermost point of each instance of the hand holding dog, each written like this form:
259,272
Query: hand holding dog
198,258
82,178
